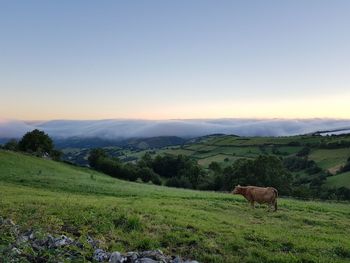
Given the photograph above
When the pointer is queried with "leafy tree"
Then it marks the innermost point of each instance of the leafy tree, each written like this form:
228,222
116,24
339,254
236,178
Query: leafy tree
263,171
11,145
343,193
95,155
295,164
346,167
215,167
128,171
37,142
313,169
171,166
182,182
146,174
304,152
156,179
145,161
301,191
56,155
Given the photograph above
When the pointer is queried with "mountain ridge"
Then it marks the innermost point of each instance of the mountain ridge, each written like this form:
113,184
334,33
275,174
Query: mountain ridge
117,129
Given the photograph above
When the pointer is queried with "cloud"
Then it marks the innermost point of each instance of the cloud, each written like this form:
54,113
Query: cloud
120,129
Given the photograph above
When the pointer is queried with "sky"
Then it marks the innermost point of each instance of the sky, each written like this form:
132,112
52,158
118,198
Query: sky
179,59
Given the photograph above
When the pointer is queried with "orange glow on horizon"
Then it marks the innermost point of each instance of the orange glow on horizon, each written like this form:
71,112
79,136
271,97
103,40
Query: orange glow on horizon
324,107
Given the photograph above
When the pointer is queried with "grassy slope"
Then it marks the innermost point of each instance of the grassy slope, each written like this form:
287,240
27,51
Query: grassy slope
330,158
227,149
221,147
210,227
339,180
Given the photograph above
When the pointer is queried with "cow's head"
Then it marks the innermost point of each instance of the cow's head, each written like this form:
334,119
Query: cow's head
237,190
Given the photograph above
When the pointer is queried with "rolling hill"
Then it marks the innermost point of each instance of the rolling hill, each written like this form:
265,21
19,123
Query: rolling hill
58,198
330,153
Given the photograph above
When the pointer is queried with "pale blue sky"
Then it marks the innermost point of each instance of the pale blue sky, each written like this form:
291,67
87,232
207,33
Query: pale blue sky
174,59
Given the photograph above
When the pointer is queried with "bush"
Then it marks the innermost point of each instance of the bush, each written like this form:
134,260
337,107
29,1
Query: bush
215,167
37,142
187,172
263,171
146,174
295,164
301,191
11,145
95,155
314,169
180,182
156,179
346,167
304,152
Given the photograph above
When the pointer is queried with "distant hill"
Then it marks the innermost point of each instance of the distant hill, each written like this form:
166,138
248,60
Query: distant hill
329,153
134,143
114,129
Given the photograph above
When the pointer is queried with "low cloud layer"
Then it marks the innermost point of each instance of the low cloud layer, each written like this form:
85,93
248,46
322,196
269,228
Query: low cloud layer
120,129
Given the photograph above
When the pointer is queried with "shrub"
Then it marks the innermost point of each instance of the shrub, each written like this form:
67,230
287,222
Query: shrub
346,167
146,174
180,182
37,142
11,145
304,152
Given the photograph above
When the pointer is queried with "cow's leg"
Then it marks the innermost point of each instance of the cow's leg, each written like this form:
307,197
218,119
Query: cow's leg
275,204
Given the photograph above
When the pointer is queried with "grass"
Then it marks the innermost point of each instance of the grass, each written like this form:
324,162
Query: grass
339,180
218,148
220,158
207,226
331,159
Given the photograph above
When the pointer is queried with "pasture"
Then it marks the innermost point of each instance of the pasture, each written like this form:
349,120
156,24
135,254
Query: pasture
209,227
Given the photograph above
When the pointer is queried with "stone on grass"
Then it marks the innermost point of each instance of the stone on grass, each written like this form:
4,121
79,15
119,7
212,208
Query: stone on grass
145,260
100,255
116,257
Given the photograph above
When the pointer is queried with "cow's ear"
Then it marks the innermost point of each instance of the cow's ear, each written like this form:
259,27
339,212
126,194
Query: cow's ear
239,185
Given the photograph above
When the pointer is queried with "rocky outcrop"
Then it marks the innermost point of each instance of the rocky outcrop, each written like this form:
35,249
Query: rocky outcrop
151,256
65,248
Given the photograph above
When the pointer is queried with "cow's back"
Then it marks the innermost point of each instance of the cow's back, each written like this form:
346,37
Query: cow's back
262,194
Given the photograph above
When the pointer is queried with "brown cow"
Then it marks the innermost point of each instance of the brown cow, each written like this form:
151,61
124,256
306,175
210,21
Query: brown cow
258,194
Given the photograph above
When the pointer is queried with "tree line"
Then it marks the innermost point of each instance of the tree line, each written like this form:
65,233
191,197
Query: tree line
183,171
265,170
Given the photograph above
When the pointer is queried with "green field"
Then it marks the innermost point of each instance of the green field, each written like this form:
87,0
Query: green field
330,159
217,158
339,180
330,153
209,227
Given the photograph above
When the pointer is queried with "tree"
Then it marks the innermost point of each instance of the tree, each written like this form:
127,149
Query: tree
215,167
37,142
145,161
346,167
304,152
56,155
156,179
11,145
95,155
182,182
263,171
146,174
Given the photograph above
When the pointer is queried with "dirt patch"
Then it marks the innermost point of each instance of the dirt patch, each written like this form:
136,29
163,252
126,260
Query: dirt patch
335,169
